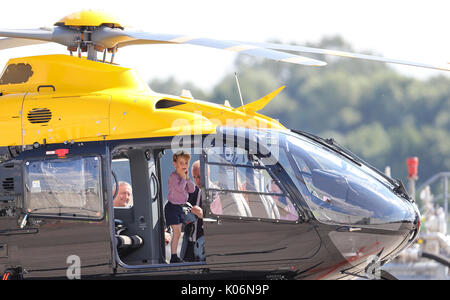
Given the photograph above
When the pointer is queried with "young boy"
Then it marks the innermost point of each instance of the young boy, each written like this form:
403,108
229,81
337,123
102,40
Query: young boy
179,188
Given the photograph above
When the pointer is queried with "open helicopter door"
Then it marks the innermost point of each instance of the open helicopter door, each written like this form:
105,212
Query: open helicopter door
140,218
62,227
252,222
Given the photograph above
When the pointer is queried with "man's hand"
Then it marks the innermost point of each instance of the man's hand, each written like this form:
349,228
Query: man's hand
198,211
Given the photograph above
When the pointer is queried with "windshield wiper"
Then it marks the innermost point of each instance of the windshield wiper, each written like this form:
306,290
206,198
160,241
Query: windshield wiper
395,182
331,144
401,190
361,161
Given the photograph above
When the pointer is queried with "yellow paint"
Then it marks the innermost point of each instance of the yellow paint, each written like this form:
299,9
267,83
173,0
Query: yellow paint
10,120
88,18
261,103
71,75
95,101
73,118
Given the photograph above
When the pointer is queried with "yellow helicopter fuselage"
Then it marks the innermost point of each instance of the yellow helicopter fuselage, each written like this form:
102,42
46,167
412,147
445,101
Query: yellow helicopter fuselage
60,98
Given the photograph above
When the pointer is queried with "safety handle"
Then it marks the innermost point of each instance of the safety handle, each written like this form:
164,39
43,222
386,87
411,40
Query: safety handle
46,86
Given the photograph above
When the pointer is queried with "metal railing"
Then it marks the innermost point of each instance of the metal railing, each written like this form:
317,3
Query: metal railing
444,176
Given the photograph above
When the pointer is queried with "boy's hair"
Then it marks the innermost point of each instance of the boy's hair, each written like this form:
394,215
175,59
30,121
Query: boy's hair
182,154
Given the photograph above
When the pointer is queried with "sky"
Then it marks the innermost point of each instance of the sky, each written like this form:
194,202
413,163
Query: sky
402,29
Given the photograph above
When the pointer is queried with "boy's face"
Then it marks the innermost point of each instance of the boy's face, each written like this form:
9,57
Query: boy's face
181,166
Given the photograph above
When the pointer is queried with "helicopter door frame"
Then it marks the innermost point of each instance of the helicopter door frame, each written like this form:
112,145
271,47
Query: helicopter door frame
141,218
156,148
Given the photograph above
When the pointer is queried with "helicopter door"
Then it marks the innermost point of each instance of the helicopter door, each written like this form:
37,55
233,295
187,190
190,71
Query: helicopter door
251,221
137,167
63,229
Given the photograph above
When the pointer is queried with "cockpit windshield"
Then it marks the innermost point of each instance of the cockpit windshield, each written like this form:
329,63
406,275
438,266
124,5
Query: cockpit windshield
337,189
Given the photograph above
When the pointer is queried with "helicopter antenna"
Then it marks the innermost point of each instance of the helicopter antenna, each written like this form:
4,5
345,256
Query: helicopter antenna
239,89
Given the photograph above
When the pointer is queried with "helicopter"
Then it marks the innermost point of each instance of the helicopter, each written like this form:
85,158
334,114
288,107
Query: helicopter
293,205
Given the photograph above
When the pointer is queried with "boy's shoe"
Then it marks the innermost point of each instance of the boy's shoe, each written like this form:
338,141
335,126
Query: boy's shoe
175,260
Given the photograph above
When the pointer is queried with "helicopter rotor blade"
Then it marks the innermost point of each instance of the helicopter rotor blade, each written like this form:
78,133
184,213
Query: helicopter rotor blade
8,43
296,48
60,35
110,38
113,37
29,34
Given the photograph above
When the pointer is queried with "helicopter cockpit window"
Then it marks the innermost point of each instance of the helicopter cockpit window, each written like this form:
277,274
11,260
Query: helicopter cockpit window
69,187
238,184
339,191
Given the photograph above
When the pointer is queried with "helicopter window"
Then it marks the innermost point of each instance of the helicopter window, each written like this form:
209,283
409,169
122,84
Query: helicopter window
241,179
239,185
64,187
339,191
228,155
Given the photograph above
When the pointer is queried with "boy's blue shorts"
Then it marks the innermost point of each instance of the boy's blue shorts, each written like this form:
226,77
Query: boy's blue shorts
174,214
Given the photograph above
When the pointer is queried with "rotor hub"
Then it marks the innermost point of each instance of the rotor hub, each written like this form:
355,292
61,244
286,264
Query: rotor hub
89,18
82,24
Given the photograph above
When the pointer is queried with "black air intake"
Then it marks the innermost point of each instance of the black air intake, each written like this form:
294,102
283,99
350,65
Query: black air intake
8,184
39,115
164,103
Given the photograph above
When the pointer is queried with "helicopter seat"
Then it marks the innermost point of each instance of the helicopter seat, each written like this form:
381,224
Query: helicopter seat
261,206
234,205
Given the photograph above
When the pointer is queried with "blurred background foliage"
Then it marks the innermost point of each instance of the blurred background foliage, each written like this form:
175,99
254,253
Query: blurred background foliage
379,114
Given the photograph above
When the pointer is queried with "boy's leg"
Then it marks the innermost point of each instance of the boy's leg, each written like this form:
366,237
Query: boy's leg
176,229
